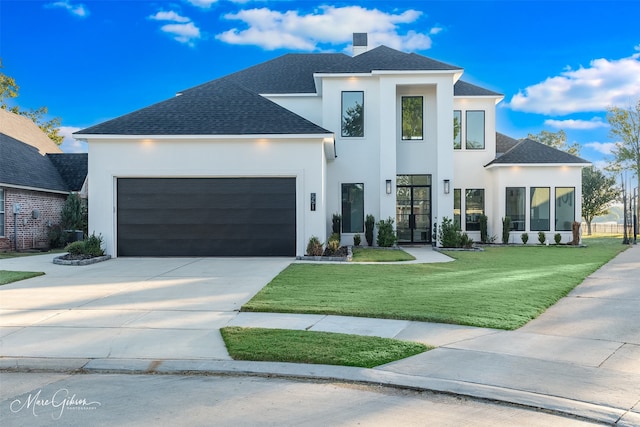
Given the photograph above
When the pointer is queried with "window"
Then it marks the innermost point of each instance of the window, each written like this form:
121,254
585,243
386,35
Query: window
540,208
474,208
352,208
457,129
353,114
475,130
515,207
412,119
1,212
565,211
457,206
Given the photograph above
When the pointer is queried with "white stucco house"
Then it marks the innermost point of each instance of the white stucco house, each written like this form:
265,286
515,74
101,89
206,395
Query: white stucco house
255,163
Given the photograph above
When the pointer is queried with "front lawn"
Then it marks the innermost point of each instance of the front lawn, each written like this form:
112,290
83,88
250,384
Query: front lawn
14,276
502,287
280,345
380,255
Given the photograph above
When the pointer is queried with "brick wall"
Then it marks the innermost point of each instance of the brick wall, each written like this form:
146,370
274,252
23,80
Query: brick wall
32,233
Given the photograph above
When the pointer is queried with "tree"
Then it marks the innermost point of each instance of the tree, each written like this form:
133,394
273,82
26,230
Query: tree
353,122
9,90
556,140
598,191
625,126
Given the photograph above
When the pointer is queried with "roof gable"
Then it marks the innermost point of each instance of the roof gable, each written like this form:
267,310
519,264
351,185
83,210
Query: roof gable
25,130
528,151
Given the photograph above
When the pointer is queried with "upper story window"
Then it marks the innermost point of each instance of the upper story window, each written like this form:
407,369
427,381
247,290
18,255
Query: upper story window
412,117
457,129
353,114
475,130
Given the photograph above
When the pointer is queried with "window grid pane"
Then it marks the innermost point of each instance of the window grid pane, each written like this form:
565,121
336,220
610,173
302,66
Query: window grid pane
565,208
540,208
412,117
457,129
515,207
352,208
474,208
1,211
457,206
475,130
353,114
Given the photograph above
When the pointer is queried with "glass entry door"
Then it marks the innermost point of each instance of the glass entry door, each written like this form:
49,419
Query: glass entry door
413,208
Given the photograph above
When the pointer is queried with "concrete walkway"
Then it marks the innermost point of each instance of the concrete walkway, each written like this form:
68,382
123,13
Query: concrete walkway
581,357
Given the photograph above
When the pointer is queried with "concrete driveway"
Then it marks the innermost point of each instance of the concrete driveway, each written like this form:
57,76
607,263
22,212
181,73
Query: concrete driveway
127,307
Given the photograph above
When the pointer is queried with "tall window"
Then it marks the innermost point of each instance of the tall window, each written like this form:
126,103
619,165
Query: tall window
1,212
457,206
353,114
457,129
474,208
515,207
565,208
352,208
475,130
540,208
412,120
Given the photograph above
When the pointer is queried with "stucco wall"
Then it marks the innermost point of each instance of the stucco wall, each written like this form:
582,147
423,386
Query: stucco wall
303,159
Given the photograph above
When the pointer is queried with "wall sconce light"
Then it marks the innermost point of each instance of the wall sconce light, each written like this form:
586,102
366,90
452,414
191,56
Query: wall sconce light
388,186
447,186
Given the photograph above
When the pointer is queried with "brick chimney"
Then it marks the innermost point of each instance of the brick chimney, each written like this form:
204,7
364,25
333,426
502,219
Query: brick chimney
359,43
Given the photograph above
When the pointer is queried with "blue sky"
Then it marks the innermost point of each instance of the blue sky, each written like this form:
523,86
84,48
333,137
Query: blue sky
558,63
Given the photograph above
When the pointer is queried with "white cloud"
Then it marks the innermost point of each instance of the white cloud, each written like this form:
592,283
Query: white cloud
271,29
169,16
594,123
602,84
601,147
182,29
77,9
69,143
205,4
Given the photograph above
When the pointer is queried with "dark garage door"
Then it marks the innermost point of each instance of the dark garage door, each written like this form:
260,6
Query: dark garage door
206,216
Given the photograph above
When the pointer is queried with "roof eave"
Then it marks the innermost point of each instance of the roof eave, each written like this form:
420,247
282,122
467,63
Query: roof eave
30,188
494,165
85,137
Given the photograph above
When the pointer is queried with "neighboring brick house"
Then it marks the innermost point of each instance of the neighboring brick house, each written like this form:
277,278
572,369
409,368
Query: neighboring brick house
38,177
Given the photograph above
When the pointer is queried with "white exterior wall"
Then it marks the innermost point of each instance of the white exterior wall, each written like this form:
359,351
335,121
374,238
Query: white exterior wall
534,176
308,106
303,159
470,172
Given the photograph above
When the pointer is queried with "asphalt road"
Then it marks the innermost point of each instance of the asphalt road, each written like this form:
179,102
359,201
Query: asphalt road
50,399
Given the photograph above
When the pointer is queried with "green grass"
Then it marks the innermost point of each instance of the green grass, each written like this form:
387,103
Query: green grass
14,276
380,255
502,287
279,345
7,255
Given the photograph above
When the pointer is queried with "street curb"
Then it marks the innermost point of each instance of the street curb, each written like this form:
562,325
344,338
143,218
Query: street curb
553,404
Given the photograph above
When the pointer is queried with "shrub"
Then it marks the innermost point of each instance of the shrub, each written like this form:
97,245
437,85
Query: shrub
484,234
314,247
525,238
449,234
93,245
465,241
72,213
57,238
336,221
369,224
557,238
333,246
506,225
356,240
386,234
76,248
541,237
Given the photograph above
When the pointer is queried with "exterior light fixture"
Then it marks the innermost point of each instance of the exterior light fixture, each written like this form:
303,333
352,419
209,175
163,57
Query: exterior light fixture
388,186
447,186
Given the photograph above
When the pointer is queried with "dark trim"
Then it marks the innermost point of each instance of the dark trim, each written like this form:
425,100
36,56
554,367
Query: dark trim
421,117
524,207
459,132
342,113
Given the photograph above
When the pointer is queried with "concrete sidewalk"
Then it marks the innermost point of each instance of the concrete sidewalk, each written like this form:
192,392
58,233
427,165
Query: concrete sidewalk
580,357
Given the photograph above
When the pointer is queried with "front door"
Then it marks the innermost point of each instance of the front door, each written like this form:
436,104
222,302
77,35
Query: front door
413,208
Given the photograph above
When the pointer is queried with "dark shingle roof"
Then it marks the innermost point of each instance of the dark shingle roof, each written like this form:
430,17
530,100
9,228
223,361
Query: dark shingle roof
72,167
504,143
383,58
220,107
232,105
528,151
462,88
23,165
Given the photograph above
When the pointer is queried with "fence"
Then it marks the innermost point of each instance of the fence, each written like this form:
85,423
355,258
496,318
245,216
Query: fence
607,228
